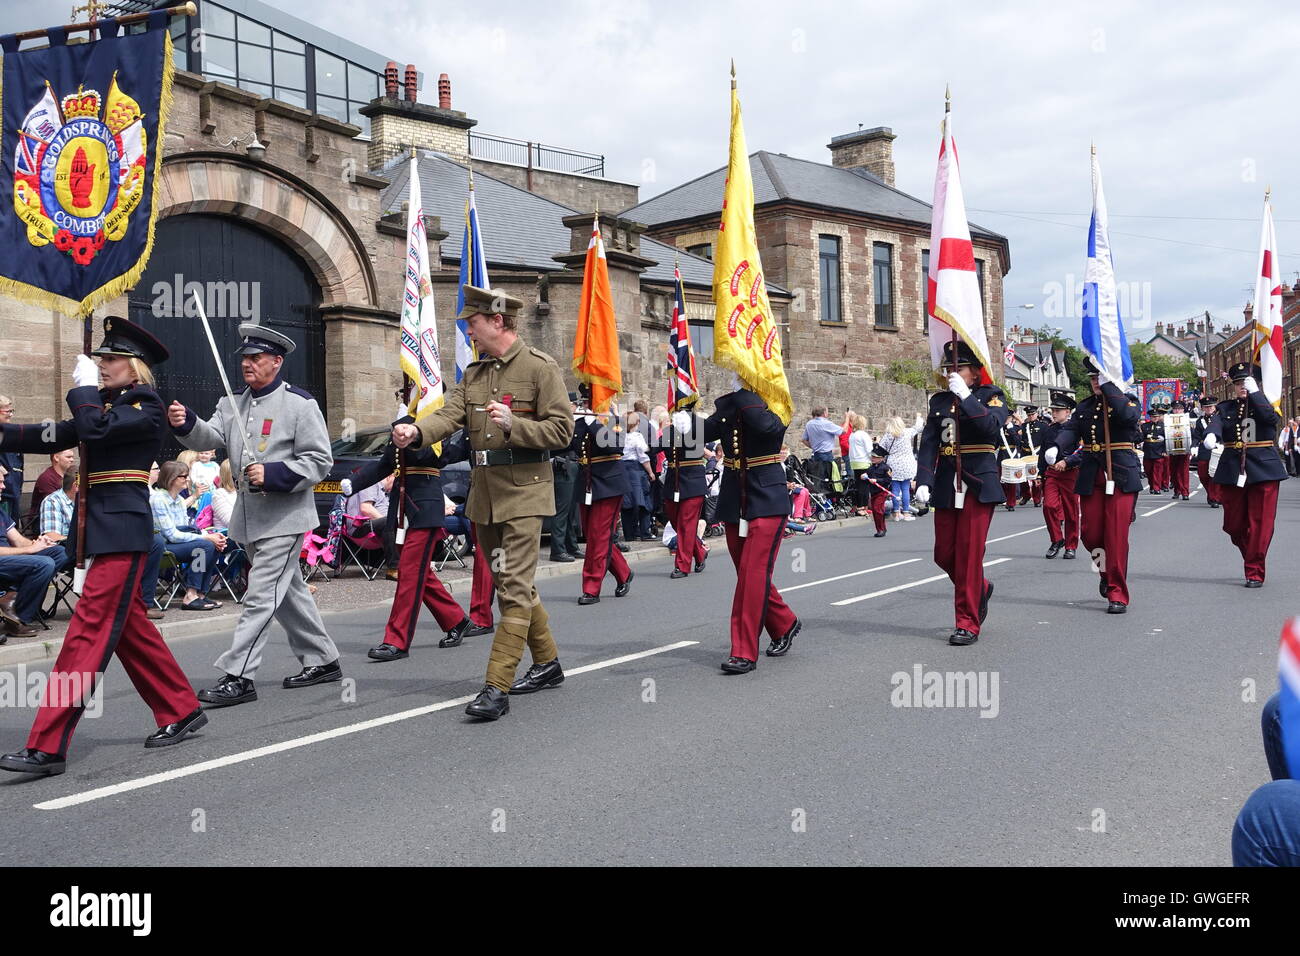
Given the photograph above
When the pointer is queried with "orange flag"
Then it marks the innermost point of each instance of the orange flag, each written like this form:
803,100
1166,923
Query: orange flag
595,349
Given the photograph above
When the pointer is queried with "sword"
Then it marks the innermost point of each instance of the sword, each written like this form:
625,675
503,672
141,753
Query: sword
230,395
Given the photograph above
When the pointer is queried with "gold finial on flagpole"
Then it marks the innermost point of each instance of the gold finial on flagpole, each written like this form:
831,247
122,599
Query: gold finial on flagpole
469,164
947,98
413,153
1268,191
733,72
1093,147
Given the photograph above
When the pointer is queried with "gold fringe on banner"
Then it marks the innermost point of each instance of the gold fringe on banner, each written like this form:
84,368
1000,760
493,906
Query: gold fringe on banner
35,295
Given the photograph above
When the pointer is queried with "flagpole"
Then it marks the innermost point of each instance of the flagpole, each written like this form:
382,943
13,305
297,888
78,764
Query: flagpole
1105,418
184,10
956,420
399,536
83,484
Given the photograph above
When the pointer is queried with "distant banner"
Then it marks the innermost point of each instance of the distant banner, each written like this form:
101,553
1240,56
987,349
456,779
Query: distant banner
1160,391
79,139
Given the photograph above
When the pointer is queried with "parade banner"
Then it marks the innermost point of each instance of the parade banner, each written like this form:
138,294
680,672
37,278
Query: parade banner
80,128
1160,391
745,337
419,355
1102,329
953,291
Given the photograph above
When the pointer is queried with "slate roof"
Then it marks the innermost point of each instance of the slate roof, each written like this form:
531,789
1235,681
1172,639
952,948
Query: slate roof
521,230
778,177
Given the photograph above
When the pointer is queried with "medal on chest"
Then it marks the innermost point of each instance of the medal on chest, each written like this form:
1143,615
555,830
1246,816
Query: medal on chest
266,434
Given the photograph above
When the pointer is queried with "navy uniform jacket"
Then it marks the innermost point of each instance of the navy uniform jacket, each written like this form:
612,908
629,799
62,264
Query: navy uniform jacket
1010,438
685,473
423,497
743,423
1264,461
1153,441
592,442
879,473
1033,436
980,417
1080,442
1050,437
1201,428
123,432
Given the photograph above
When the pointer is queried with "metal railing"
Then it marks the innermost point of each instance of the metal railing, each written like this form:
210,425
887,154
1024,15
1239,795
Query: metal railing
535,155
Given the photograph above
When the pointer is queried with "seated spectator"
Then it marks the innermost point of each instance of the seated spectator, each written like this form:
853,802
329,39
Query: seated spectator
371,506
223,496
1267,831
800,500
50,480
204,472
56,508
29,566
182,540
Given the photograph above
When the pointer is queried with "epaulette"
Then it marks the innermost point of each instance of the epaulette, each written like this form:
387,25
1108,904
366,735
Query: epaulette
300,392
241,390
542,355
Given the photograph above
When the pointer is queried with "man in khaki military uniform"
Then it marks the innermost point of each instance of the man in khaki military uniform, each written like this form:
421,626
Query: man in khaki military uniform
514,408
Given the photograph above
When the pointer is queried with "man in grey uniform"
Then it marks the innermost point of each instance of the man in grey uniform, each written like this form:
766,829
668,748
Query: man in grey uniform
273,512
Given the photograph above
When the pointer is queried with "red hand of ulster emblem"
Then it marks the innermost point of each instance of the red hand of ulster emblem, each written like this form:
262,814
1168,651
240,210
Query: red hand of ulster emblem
81,179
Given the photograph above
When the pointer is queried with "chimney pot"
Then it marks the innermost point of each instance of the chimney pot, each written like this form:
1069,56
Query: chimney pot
390,80
444,91
411,82
867,149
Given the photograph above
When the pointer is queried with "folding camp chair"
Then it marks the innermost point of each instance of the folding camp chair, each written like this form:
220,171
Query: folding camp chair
58,593
355,545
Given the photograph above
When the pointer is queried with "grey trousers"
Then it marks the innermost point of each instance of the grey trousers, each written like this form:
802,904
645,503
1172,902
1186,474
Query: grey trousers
276,590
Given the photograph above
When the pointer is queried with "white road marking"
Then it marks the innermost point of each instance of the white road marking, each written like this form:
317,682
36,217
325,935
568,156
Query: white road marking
851,574
904,587
177,773
1016,535
1156,511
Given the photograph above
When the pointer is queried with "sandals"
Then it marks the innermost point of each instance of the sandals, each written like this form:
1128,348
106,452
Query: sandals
200,604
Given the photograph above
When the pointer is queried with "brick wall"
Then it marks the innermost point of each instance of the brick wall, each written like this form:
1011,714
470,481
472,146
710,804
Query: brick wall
580,193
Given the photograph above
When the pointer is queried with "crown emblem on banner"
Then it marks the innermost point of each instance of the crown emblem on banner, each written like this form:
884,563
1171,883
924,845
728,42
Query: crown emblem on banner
81,104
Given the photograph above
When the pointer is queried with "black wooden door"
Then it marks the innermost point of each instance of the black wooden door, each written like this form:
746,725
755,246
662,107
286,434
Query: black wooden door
242,274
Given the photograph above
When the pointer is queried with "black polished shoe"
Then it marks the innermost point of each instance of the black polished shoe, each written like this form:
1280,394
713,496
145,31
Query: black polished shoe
563,557
477,630
457,634
175,733
538,677
386,652
228,691
1101,588
622,547
984,602
1069,554
586,599
677,573
33,761
699,565
878,534
1187,497
1251,583
1008,507
1214,504
316,674
779,647
578,553
1115,607
961,637
490,704
738,665
626,586
1055,549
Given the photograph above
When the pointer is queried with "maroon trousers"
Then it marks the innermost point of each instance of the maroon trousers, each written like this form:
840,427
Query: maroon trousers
110,619
878,500
1248,517
959,538
482,589
1212,492
599,520
1061,507
1032,490
416,584
757,604
685,516
1157,472
1180,474
1106,520
1012,492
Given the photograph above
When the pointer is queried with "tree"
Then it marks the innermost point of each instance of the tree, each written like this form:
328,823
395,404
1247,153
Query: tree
1149,364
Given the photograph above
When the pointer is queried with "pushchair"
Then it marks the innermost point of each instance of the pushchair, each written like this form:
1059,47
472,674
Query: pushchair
819,506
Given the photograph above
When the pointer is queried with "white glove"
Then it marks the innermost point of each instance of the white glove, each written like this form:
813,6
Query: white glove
958,386
1209,442
1049,456
922,494
682,422
1249,385
85,372
345,486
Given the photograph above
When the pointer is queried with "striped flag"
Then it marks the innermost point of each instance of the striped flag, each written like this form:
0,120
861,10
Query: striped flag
954,291
1009,355
596,360
419,355
1288,667
473,271
1103,327
683,388
1267,334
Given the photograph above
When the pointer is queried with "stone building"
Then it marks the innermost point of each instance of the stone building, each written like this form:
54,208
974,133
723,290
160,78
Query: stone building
1235,346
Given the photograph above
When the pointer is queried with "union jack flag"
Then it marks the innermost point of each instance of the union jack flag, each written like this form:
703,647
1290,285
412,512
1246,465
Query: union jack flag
1009,355
683,387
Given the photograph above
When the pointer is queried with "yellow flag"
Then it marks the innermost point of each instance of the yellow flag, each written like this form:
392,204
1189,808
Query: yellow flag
745,337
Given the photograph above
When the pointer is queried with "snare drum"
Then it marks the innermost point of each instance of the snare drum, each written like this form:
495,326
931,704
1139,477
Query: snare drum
1031,468
1013,471
1178,434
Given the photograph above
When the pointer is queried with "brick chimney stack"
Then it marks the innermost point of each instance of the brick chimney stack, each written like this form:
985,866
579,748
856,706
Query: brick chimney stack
444,91
398,121
412,83
868,149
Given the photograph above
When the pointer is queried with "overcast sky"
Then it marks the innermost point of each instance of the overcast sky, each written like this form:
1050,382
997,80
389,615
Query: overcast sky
1190,105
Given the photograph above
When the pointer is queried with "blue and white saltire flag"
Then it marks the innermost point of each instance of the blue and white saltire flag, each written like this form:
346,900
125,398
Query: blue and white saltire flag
1288,667
473,271
1103,326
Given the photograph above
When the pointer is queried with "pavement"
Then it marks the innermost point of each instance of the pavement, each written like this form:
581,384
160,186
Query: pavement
1104,740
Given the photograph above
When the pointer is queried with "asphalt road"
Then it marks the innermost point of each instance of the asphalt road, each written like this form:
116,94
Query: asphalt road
1112,740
